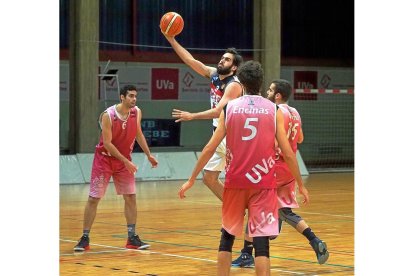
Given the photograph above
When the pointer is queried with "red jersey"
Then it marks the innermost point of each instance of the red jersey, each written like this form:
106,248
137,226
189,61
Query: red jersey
293,125
250,139
123,132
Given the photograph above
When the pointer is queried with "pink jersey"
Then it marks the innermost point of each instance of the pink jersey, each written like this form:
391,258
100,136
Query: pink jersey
284,177
251,128
293,125
123,132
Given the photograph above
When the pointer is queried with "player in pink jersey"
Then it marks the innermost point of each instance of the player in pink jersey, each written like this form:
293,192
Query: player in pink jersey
250,123
121,126
279,93
224,86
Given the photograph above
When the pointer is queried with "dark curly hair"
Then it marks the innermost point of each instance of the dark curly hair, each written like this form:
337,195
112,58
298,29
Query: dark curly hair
250,74
237,57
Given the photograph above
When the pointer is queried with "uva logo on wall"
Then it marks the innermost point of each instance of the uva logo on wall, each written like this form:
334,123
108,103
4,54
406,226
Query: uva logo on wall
305,79
164,82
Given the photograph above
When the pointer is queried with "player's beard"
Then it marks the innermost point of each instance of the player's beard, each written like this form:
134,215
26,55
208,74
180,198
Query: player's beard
272,98
224,70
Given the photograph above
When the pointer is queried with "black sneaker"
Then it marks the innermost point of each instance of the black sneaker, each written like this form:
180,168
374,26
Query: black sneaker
244,260
83,244
320,249
134,242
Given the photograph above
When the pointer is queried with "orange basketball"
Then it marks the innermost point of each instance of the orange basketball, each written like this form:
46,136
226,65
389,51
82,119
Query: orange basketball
171,23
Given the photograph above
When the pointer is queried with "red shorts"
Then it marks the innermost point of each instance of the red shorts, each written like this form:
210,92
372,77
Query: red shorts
262,211
103,168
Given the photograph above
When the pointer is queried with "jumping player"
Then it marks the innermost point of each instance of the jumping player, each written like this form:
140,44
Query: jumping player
224,86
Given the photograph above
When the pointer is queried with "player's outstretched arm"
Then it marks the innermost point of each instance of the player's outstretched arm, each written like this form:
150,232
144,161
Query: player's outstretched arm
187,58
233,91
206,154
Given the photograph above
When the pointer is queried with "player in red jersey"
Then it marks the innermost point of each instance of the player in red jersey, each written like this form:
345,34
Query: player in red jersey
121,126
279,93
249,122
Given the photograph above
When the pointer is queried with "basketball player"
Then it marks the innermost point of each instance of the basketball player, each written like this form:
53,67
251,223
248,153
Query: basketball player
247,123
279,93
121,126
224,87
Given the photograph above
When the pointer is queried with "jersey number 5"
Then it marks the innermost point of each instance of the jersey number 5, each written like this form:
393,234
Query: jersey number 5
252,128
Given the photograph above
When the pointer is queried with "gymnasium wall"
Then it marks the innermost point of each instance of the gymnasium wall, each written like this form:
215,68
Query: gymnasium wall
328,126
76,169
328,119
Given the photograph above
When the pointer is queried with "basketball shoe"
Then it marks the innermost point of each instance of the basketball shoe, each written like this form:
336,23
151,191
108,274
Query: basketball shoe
83,244
320,249
135,242
244,260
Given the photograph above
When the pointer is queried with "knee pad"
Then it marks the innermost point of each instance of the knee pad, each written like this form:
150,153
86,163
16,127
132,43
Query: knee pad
286,214
226,241
261,246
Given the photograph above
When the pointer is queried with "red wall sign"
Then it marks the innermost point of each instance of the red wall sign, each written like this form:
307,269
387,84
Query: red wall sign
305,79
164,83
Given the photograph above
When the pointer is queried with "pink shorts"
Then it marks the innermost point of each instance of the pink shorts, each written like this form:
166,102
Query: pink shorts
286,187
103,168
262,211
286,195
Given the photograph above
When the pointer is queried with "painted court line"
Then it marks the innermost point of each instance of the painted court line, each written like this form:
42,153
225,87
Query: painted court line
99,252
120,249
287,271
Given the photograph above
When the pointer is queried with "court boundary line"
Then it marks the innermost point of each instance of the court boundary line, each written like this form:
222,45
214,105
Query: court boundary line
122,249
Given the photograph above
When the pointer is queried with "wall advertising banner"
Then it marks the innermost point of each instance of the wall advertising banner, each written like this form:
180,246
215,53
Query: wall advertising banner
160,133
193,87
305,79
164,83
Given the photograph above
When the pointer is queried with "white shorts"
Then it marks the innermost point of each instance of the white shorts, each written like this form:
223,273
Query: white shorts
217,162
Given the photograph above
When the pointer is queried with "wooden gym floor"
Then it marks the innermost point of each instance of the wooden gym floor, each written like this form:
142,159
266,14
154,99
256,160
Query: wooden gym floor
184,234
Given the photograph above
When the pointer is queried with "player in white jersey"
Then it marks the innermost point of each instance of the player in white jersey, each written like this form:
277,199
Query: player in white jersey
224,86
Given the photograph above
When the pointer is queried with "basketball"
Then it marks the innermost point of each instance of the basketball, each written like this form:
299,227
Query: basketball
171,23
